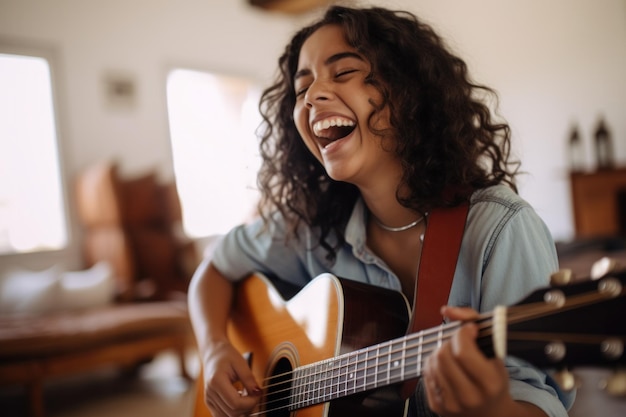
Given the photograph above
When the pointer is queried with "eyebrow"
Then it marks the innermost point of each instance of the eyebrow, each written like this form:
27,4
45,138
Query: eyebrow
333,58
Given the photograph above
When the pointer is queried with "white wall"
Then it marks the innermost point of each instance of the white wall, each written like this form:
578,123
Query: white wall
553,62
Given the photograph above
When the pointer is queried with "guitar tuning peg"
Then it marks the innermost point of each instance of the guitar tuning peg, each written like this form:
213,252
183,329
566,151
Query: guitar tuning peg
615,385
562,277
603,267
566,379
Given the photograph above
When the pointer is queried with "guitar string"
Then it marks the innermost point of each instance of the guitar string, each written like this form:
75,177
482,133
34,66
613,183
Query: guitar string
443,333
563,337
320,374
331,374
519,313
321,395
320,387
321,382
410,337
516,316
484,324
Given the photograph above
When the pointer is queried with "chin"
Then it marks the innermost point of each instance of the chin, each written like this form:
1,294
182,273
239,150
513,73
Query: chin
338,175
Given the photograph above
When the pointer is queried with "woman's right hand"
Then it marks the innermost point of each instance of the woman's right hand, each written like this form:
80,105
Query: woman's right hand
230,389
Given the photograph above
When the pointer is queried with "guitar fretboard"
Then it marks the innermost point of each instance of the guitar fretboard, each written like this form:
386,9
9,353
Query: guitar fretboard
380,365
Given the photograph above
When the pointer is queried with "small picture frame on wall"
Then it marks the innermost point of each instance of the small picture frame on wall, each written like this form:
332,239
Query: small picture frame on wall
120,91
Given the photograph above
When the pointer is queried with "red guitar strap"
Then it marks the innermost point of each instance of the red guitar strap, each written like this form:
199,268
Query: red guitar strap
440,250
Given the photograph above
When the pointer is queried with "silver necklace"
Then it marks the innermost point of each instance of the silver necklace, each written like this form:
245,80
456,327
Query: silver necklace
401,228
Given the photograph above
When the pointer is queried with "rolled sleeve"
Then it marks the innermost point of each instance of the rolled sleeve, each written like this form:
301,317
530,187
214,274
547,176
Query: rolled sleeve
251,248
507,253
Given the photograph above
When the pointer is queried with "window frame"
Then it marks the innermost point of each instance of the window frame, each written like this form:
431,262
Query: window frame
50,54
216,72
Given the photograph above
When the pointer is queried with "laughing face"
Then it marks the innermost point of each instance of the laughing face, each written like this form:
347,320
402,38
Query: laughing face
333,108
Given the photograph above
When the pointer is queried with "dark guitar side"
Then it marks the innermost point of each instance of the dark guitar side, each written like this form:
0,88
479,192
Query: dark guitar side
330,316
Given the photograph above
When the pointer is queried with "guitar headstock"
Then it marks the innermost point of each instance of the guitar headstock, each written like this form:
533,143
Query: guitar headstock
575,322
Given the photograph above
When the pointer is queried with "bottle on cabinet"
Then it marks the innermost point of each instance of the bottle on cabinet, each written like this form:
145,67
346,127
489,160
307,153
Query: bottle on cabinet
575,148
603,146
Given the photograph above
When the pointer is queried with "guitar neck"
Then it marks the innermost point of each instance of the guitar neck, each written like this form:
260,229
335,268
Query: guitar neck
384,364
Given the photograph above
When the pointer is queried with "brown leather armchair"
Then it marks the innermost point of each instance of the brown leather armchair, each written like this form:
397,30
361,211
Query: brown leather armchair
135,224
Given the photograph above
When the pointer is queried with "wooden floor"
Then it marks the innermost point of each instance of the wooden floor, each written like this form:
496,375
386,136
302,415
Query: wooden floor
159,391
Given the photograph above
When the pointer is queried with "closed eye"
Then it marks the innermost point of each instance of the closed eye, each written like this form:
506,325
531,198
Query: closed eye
345,72
338,74
301,91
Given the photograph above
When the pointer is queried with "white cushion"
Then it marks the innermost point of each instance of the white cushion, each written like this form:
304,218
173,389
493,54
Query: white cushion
23,291
51,290
93,287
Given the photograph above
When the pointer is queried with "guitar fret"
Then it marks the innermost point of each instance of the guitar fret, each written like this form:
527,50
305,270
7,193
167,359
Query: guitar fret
323,383
389,361
352,372
383,363
395,360
420,349
298,383
316,384
332,380
376,367
361,377
327,383
295,389
342,387
366,370
403,359
370,370
306,384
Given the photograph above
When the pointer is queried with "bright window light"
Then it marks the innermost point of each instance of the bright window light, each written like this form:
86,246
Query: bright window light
32,208
212,121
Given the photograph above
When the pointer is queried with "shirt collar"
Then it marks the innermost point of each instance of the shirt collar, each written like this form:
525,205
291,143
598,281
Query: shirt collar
355,229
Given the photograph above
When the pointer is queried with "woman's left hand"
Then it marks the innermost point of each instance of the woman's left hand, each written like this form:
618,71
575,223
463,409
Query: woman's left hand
460,380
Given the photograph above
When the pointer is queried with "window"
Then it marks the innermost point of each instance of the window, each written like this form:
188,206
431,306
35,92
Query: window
212,120
32,206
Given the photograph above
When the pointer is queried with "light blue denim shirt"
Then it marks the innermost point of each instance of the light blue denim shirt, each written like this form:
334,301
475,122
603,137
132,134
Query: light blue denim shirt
506,253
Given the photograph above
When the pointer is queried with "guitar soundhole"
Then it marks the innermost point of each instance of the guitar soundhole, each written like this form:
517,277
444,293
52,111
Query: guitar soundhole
279,390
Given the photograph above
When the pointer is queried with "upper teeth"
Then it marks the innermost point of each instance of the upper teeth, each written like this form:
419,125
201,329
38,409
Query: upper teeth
333,121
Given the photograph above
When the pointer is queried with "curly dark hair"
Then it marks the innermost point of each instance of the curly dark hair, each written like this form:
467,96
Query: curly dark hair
443,129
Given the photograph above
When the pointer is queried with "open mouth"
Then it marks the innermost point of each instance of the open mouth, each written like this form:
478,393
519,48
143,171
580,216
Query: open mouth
332,129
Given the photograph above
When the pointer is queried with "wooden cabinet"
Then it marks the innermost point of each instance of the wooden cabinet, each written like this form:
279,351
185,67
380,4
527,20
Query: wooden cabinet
598,201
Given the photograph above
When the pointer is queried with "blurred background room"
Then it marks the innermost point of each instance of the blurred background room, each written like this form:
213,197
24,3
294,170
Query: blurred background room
127,146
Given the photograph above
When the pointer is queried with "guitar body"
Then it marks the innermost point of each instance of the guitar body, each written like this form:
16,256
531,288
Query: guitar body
330,316
339,347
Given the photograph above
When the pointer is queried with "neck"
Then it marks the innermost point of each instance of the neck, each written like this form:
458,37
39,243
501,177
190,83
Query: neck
385,209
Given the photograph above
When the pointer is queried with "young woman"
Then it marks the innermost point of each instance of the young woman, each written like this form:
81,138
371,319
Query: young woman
371,124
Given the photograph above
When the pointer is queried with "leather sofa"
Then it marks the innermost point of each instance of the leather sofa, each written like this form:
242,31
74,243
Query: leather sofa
133,225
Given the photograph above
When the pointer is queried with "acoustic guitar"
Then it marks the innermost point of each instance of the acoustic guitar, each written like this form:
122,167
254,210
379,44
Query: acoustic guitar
339,347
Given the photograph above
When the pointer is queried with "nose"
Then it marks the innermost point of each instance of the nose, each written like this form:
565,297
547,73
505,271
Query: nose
316,92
